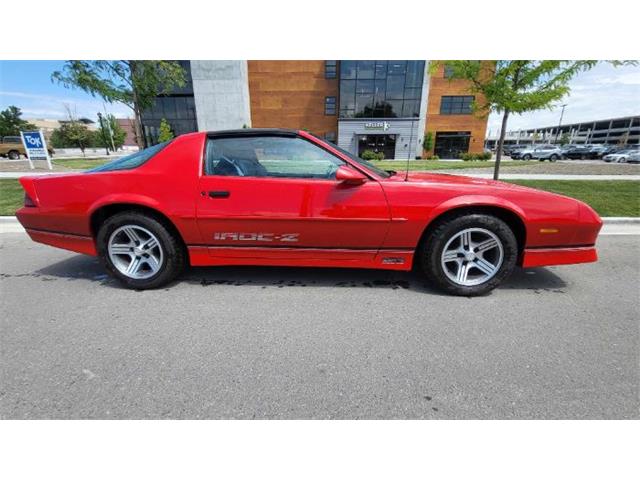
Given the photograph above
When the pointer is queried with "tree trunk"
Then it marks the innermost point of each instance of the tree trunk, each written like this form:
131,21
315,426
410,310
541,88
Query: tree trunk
137,127
503,132
137,124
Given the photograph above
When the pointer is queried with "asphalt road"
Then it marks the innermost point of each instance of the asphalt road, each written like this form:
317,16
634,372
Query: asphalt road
304,343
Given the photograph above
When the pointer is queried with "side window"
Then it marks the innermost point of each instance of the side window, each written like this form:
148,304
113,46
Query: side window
280,157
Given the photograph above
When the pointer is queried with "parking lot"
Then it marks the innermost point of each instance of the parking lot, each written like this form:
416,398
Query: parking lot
557,342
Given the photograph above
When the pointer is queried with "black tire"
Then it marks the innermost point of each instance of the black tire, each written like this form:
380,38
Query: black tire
432,246
14,155
526,157
553,158
174,258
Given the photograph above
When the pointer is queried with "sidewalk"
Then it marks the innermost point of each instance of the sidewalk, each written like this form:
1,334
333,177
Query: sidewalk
504,176
612,225
543,176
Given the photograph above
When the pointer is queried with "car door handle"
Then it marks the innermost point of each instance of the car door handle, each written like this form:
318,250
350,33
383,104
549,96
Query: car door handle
219,194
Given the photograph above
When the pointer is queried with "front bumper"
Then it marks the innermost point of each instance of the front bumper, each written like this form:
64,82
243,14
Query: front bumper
543,257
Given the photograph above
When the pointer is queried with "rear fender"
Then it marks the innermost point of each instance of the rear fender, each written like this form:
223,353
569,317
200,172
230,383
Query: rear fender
129,198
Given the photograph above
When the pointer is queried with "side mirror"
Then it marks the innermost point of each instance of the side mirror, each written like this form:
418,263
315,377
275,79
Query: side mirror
349,176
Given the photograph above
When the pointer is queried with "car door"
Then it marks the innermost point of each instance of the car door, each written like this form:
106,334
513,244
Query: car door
277,191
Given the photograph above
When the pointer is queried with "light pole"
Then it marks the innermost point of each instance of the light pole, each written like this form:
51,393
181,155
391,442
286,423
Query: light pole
102,132
560,122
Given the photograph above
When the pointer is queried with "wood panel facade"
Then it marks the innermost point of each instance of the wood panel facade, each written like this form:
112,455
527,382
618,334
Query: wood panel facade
440,86
291,94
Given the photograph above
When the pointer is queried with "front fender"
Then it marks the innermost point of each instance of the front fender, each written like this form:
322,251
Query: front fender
475,201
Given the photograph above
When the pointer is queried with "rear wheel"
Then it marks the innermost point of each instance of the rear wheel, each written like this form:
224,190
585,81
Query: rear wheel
14,155
469,254
140,251
553,158
526,157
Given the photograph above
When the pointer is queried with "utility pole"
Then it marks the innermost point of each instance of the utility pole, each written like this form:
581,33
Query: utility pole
560,122
102,131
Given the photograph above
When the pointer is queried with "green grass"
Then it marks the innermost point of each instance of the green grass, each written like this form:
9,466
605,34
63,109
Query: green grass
80,163
11,196
419,165
610,198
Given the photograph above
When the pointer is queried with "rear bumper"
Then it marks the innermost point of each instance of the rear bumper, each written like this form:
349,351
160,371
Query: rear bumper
75,243
542,257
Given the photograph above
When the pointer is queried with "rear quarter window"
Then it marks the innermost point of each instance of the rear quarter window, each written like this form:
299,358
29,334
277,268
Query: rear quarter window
130,161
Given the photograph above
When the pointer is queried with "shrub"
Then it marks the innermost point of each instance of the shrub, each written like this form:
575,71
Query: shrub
368,155
474,157
371,155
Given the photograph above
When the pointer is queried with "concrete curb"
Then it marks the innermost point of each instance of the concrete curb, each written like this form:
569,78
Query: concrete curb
612,225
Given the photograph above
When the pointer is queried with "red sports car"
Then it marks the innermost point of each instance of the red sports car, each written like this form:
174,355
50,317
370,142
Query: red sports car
281,197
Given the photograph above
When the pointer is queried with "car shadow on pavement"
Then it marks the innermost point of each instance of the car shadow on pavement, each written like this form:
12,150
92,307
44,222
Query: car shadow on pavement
82,267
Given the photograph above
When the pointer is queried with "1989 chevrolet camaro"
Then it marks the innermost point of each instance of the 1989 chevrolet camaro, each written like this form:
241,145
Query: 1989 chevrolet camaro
287,198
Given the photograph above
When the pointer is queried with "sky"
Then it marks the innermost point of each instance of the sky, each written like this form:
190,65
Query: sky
28,85
603,92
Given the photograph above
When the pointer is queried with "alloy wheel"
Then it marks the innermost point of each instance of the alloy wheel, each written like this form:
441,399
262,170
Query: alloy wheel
135,251
472,256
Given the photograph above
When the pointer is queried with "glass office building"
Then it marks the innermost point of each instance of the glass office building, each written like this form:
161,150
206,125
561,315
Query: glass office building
177,108
386,106
381,106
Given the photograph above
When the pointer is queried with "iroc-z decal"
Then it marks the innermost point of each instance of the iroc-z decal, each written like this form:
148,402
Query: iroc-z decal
256,237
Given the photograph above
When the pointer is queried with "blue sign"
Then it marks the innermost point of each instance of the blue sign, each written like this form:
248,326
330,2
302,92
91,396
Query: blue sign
36,147
33,140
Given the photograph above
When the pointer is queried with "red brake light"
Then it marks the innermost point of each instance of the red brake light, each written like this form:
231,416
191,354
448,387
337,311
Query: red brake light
28,202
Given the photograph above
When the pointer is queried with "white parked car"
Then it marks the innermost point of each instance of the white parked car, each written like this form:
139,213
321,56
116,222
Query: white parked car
547,152
527,153
619,157
634,157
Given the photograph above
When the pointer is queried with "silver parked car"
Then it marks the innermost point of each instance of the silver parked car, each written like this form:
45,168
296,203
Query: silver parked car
619,157
547,152
634,157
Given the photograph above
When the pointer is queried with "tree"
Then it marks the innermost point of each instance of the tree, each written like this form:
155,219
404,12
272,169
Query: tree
427,143
11,124
110,135
564,139
517,86
165,134
135,83
624,138
72,134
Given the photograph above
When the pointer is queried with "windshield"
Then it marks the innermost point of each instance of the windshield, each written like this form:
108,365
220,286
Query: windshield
364,163
130,161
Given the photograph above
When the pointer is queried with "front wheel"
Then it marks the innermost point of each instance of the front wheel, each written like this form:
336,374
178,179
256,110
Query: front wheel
469,254
526,157
14,155
139,251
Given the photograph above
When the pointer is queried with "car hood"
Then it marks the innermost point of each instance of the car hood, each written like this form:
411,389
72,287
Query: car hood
448,179
471,185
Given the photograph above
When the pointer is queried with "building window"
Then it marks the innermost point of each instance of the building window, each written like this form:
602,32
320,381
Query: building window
330,137
329,105
330,68
448,71
381,88
456,105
